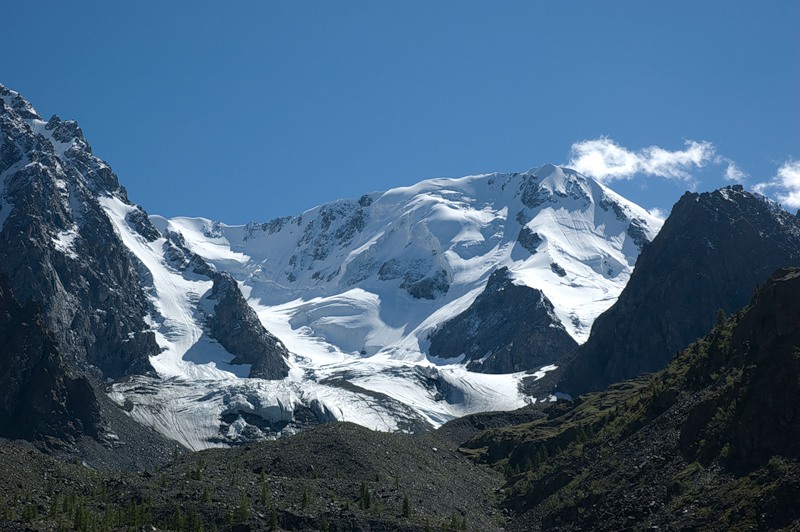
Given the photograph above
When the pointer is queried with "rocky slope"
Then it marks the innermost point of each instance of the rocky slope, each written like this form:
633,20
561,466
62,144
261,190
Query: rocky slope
41,398
236,326
68,241
507,328
58,248
708,443
712,252
335,477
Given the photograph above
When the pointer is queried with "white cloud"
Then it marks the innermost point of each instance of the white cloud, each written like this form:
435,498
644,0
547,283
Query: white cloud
661,214
786,184
605,160
733,172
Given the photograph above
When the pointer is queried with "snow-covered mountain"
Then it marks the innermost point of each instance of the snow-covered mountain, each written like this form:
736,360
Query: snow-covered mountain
214,334
355,289
377,275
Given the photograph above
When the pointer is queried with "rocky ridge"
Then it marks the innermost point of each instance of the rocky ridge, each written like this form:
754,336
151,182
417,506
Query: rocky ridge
60,249
709,442
713,251
507,328
237,327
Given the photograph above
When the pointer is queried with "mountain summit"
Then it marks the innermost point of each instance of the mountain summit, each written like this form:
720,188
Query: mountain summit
367,293
430,246
68,242
713,251
215,334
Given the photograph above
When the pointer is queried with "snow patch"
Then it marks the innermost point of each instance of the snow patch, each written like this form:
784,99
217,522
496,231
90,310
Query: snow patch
64,242
187,350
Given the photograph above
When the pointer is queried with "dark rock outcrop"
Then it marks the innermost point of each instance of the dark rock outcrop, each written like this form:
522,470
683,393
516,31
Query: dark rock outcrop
236,326
767,422
40,398
712,442
528,239
758,415
139,220
427,287
712,252
233,323
421,278
507,328
337,225
58,247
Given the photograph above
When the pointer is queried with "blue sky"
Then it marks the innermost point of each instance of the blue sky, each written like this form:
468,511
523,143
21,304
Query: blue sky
269,108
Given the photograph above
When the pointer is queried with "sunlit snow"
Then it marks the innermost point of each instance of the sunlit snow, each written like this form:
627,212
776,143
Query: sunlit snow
337,286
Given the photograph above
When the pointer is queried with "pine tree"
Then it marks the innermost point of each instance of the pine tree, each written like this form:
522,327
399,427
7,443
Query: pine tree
365,500
264,492
273,518
406,506
243,510
177,518
720,320
581,436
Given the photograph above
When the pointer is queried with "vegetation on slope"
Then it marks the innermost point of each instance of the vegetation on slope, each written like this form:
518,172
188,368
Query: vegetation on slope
334,477
710,442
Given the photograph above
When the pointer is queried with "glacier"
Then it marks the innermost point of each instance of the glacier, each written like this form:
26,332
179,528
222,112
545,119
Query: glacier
354,288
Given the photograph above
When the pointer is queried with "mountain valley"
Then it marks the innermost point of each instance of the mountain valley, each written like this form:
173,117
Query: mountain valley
706,443
506,351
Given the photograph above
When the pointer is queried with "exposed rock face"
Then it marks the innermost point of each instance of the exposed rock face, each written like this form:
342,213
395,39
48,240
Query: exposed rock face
759,416
40,399
507,328
712,252
58,247
528,239
710,442
338,223
237,327
72,242
141,223
233,323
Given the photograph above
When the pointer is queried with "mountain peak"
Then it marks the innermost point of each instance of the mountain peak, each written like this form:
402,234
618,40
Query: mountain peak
16,103
65,131
545,170
30,139
561,181
347,296
711,253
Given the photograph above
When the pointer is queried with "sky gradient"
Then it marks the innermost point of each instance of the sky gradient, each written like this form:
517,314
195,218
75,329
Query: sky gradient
271,108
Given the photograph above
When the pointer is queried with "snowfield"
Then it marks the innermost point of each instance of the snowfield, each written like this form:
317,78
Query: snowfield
354,289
